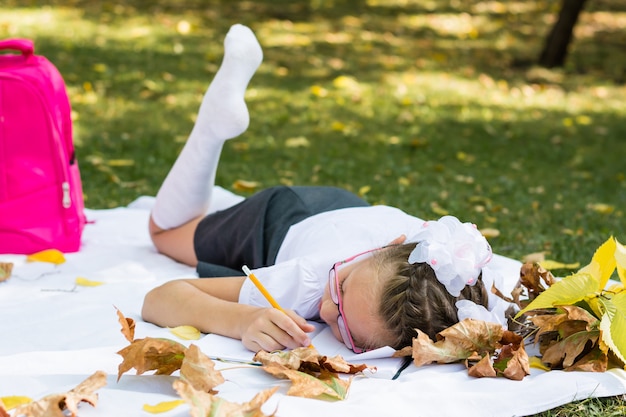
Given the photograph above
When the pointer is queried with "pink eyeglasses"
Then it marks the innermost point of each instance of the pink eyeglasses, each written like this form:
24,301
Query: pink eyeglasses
335,295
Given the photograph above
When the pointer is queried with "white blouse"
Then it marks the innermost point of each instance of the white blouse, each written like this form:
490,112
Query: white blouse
312,246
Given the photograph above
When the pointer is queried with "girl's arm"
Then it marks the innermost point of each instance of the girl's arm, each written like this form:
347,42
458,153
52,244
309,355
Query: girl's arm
211,306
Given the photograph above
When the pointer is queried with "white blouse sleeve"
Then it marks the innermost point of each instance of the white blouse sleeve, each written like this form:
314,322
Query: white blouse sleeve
297,284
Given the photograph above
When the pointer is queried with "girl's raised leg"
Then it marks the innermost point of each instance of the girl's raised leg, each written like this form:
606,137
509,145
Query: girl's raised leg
184,196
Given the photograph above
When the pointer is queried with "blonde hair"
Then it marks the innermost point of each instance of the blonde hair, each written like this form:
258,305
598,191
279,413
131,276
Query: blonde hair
412,298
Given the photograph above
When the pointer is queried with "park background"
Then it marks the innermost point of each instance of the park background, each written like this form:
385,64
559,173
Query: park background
435,107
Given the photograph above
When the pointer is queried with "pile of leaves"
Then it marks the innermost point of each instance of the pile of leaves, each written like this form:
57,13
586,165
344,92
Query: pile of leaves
312,375
581,320
486,348
579,323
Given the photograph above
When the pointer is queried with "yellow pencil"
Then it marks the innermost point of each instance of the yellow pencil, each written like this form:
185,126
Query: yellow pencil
265,293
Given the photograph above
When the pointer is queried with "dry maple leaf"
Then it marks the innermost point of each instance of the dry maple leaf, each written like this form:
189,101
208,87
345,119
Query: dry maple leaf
204,404
338,364
5,270
513,362
554,325
199,370
594,361
564,353
292,359
457,342
163,355
308,360
55,405
509,359
482,368
326,386
128,326
531,276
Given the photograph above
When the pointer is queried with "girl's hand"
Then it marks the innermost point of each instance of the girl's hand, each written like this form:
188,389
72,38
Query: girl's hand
270,329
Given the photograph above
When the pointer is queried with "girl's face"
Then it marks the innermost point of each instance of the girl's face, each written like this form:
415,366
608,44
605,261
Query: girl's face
358,282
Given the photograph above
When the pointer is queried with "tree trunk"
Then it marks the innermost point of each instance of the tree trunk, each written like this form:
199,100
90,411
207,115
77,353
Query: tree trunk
555,49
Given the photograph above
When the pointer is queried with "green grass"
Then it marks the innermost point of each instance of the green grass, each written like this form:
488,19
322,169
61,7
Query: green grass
430,106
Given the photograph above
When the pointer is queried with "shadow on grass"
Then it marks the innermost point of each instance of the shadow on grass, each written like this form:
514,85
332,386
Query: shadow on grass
546,179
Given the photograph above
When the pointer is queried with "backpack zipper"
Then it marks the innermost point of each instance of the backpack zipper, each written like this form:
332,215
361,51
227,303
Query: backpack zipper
67,201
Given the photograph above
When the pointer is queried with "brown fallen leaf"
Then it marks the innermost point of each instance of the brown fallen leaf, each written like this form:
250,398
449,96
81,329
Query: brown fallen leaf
338,364
5,270
547,323
199,370
509,360
128,326
326,386
456,343
55,405
308,360
577,313
292,359
163,355
561,323
204,404
514,359
405,351
531,276
594,361
482,368
565,353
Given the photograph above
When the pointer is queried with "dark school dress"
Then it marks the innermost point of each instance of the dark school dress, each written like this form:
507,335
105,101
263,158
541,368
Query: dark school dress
252,231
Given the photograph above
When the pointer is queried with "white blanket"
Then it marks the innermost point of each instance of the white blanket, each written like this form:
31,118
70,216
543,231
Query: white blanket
53,334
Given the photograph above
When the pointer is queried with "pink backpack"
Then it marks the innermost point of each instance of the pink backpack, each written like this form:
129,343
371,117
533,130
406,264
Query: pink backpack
41,197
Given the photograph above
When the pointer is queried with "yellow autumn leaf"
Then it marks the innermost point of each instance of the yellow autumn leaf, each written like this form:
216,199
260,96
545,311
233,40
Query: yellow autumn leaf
49,255
550,264
620,260
602,263
535,257
13,401
84,282
404,181
120,162
338,126
490,233
345,82
162,407
364,190
437,209
297,142
602,208
243,185
536,363
319,91
185,332
99,67
612,328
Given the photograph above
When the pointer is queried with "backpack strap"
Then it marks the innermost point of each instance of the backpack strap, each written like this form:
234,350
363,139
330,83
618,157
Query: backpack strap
25,46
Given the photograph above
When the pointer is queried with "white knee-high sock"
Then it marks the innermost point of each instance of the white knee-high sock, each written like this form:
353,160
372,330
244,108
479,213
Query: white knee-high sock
186,192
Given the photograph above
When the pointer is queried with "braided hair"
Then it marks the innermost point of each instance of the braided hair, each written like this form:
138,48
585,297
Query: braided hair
412,298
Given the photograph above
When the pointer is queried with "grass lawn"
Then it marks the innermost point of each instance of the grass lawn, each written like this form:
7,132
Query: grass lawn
430,106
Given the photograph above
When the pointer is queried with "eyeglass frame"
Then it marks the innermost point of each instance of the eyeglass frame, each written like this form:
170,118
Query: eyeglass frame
335,296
